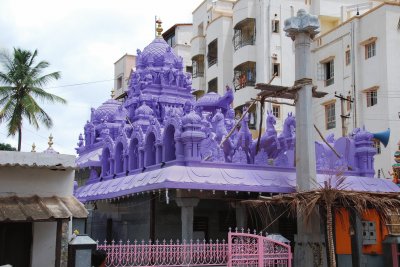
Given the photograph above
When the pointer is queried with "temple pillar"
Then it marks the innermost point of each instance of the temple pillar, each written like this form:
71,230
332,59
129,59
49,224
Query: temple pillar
309,249
126,163
187,205
241,216
141,158
112,166
179,149
158,153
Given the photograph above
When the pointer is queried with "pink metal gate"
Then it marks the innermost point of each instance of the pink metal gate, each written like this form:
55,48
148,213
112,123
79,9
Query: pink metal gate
256,250
243,249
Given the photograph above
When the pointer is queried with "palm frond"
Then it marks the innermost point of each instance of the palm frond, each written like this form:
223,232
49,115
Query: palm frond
36,113
7,111
43,95
46,79
15,121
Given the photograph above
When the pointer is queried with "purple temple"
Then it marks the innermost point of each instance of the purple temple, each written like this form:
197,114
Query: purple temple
162,138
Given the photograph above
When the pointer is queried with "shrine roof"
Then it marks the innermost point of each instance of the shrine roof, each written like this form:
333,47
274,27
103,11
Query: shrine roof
261,180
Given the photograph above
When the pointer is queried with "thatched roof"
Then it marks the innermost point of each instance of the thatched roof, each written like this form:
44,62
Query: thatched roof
304,202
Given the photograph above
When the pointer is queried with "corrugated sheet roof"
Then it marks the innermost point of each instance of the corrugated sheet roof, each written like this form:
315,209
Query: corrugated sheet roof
35,208
38,160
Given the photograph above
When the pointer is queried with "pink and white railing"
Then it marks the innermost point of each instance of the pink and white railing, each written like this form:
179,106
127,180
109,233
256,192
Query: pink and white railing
242,249
246,249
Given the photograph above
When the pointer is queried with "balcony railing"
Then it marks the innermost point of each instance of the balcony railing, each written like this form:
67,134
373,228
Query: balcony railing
198,74
212,61
239,41
241,80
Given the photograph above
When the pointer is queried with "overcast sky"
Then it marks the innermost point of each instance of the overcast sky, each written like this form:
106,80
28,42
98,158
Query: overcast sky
82,39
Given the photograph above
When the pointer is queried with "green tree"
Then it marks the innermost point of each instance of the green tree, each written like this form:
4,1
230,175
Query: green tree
7,147
21,83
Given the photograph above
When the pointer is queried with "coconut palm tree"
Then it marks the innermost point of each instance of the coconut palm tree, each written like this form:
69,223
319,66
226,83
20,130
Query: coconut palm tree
330,197
21,83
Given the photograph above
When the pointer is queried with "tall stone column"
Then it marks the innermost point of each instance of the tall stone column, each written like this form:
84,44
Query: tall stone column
309,249
241,216
187,205
179,149
141,158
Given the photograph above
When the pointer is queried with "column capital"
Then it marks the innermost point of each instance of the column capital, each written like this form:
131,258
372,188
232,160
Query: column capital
302,23
186,202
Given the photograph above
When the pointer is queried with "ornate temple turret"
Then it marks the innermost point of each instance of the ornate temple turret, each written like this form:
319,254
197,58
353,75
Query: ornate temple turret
364,152
192,135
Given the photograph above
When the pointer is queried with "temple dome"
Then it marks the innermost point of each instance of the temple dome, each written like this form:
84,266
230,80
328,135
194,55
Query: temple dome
156,48
107,110
144,110
160,52
191,118
363,135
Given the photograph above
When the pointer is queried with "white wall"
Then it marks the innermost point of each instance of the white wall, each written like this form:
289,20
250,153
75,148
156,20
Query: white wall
44,244
35,181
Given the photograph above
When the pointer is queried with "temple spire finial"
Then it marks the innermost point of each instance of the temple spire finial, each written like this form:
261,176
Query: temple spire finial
159,29
112,93
33,148
50,141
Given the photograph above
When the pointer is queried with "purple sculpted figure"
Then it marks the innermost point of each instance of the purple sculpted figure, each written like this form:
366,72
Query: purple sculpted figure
220,133
245,139
169,58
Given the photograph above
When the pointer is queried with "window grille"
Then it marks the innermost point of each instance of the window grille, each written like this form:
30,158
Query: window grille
330,117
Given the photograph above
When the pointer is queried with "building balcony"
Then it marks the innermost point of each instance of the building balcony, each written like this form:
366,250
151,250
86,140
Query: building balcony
244,75
244,33
245,54
198,66
198,45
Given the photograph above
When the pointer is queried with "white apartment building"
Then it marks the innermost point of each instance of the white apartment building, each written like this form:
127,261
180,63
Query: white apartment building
123,68
359,60
242,42
178,37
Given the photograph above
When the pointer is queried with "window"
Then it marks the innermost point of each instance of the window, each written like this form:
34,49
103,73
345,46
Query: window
372,98
119,82
377,145
330,118
189,69
198,66
276,69
170,39
347,57
370,50
329,72
212,55
275,26
276,111
213,85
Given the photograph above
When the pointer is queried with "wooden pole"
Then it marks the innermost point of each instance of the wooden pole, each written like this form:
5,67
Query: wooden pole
326,142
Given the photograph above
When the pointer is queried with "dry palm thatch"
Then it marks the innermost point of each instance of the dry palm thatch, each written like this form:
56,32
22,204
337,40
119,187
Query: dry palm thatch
329,198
